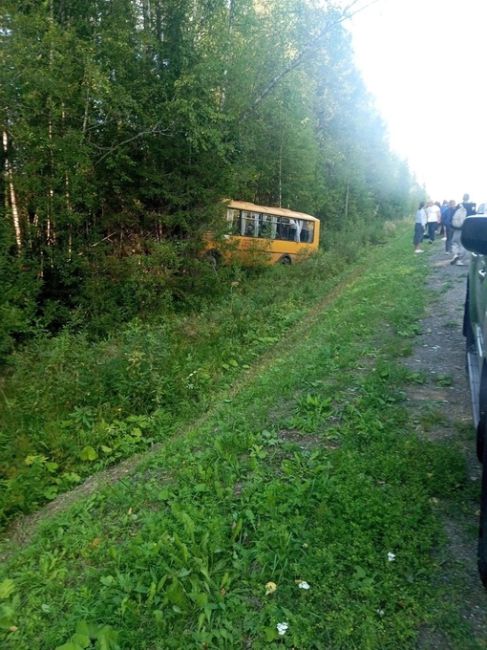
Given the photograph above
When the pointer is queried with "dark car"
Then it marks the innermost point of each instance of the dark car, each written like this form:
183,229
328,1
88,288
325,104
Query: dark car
474,239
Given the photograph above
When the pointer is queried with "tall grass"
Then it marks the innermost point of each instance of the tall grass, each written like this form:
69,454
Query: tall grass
305,498
70,405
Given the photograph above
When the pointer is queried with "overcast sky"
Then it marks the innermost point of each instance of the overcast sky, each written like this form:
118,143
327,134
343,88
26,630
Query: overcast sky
425,61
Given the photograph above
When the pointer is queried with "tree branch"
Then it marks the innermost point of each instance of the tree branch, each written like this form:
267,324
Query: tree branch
346,14
141,134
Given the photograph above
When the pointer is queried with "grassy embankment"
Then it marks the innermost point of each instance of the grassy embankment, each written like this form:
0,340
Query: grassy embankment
70,406
310,472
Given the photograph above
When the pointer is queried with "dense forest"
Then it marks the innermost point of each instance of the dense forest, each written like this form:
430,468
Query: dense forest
125,122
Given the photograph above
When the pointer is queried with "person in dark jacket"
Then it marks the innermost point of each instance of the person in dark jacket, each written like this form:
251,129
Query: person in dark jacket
443,209
469,205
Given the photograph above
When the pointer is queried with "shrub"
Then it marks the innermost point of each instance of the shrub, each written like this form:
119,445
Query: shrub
18,292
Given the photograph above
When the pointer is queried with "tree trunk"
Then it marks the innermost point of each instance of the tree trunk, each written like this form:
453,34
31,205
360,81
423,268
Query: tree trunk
50,232
12,197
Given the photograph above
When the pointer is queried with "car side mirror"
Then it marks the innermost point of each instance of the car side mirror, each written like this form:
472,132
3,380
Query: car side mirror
474,234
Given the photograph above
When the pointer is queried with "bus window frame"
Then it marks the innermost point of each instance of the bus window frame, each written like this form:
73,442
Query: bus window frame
239,221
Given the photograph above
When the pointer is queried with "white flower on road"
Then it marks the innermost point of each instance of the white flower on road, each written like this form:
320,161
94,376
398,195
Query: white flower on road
391,556
282,628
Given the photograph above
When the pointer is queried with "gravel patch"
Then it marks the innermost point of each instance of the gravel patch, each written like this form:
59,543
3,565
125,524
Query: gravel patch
440,408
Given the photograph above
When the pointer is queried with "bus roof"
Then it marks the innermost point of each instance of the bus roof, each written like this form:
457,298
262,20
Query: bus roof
282,212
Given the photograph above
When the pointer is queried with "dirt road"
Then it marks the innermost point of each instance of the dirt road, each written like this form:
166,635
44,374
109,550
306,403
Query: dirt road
440,408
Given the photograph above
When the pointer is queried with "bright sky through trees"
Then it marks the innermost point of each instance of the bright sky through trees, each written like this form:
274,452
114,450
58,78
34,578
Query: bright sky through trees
424,61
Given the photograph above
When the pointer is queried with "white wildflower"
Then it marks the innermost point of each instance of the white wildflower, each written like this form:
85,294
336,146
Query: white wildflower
282,628
302,584
391,556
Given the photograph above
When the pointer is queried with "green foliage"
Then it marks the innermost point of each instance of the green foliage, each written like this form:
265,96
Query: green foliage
73,405
180,553
103,638
18,293
125,126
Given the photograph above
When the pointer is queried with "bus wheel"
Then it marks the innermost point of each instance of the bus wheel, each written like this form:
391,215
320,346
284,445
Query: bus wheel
482,544
285,260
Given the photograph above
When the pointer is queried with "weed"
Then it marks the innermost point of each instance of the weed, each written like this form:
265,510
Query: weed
451,325
446,286
444,380
415,377
433,417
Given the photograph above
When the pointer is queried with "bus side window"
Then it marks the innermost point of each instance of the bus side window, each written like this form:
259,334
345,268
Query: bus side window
294,230
256,217
282,228
279,228
233,218
247,224
307,233
267,226
311,232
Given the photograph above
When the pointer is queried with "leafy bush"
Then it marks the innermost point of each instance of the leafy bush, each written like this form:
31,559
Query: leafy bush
18,292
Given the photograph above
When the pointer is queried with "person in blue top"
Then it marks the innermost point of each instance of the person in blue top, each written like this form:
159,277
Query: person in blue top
447,217
443,209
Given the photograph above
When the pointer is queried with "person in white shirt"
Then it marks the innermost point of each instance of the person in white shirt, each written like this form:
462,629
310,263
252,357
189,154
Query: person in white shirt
433,218
419,226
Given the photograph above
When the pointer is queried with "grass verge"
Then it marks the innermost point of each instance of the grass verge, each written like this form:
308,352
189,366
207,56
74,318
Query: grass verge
70,406
309,476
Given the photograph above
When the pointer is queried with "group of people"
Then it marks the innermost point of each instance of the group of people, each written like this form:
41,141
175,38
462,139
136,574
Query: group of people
446,220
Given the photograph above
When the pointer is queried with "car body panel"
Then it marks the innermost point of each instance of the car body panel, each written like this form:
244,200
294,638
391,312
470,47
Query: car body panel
474,239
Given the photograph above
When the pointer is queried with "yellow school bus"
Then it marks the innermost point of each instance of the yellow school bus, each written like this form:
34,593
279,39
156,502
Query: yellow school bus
259,234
